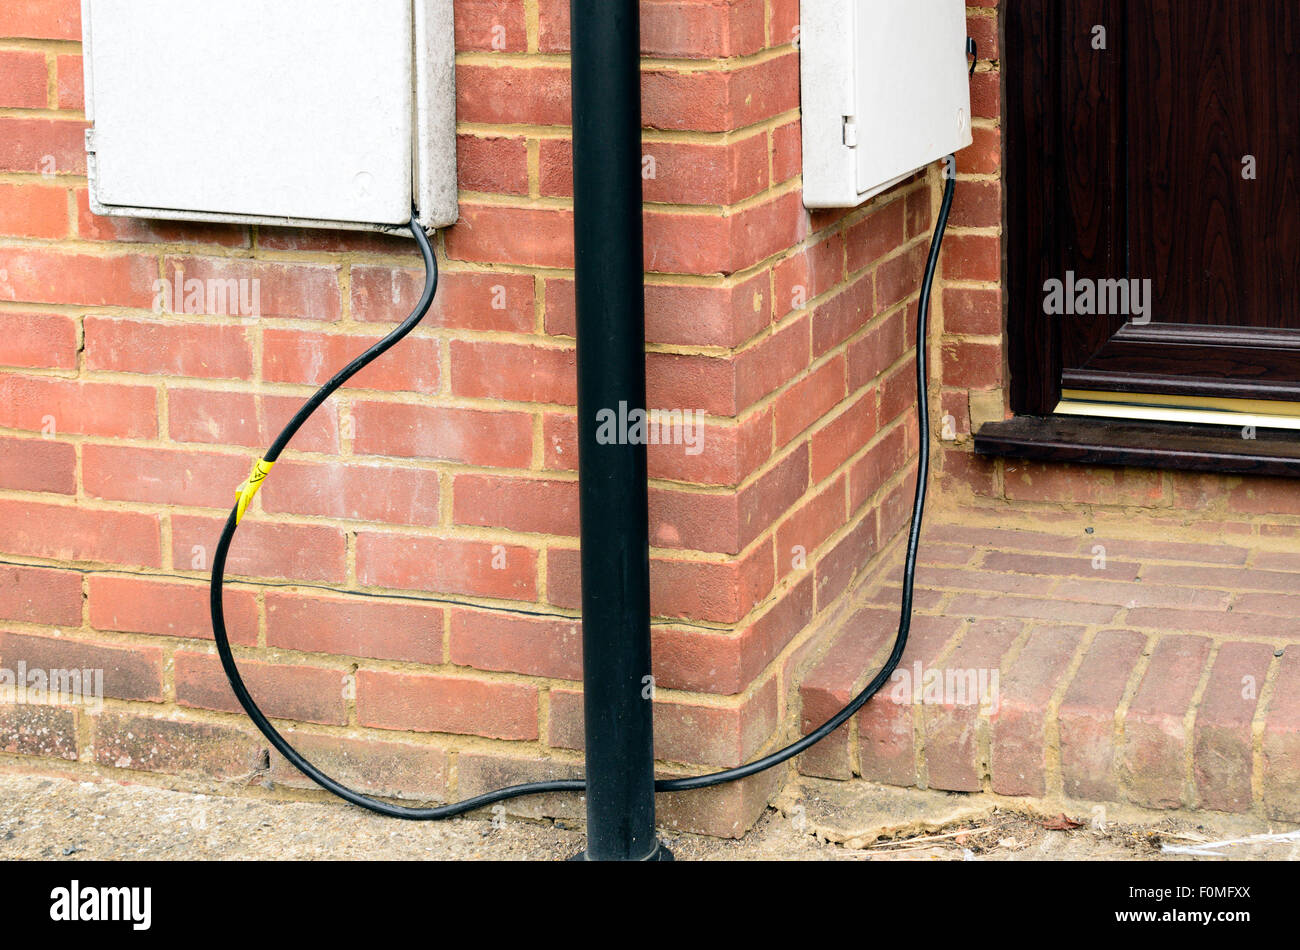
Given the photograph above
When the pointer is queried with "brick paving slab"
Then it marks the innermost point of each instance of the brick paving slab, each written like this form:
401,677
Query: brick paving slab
1160,673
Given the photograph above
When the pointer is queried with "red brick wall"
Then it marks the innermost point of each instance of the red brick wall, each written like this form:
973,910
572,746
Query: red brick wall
441,484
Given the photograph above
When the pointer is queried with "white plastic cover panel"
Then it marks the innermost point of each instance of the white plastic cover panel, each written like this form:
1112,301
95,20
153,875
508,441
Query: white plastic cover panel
292,111
885,92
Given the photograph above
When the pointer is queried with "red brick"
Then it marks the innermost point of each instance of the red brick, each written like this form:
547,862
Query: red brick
40,340
491,370
1155,740
880,233
33,211
955,732
700,242
516,504
44,146
1037,481
720,101
479,772
882,461
773,361
691,381
809,273
1018,741
223,417
176,747
39,275
972,257
69,407
23,79
972,365
207,350
465,300
64,533
977,204
971,311
43,731
493,163
534,646
984,155
133,672
810,399
530,237
886,725
306,552
1223,761
167,608
382,492
40,595
316,241
296,356
899,278
898,395
842,316
1046,564
984,30
38,465
833,681
843,437
474,437
1227,623
71,83
730,453
843,561
783,24
1264,496
985,95
810,524
301,693
300,291
355,626
41,19
918,209
1281,743
491,25
877,349
436,703
498,94
1086,718
787,152
385,769
446,565
162,477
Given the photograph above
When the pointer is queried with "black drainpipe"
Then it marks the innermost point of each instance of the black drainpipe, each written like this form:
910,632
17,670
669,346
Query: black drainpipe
608,244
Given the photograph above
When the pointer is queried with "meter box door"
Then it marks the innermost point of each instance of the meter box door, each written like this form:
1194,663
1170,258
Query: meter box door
322,113
885,92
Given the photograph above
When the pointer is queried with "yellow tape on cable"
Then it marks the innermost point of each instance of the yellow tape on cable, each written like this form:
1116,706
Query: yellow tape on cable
248,491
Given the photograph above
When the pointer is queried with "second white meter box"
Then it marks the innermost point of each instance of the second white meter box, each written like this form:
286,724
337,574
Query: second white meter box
885,92
323,113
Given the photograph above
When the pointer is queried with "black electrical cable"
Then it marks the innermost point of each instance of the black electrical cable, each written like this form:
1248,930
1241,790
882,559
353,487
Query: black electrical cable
578,785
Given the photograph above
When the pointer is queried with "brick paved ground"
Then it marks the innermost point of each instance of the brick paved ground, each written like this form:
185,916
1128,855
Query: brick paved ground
1150,661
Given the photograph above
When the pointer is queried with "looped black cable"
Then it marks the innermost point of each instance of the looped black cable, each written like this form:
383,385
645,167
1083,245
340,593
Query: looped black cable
577,785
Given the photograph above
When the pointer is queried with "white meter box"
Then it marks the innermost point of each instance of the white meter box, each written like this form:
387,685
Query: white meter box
322,113
885,92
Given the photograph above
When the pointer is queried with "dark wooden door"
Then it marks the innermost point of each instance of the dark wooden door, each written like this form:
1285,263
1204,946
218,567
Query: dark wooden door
1154,143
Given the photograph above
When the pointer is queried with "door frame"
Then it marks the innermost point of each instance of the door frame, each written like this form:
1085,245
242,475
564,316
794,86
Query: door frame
1040,104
